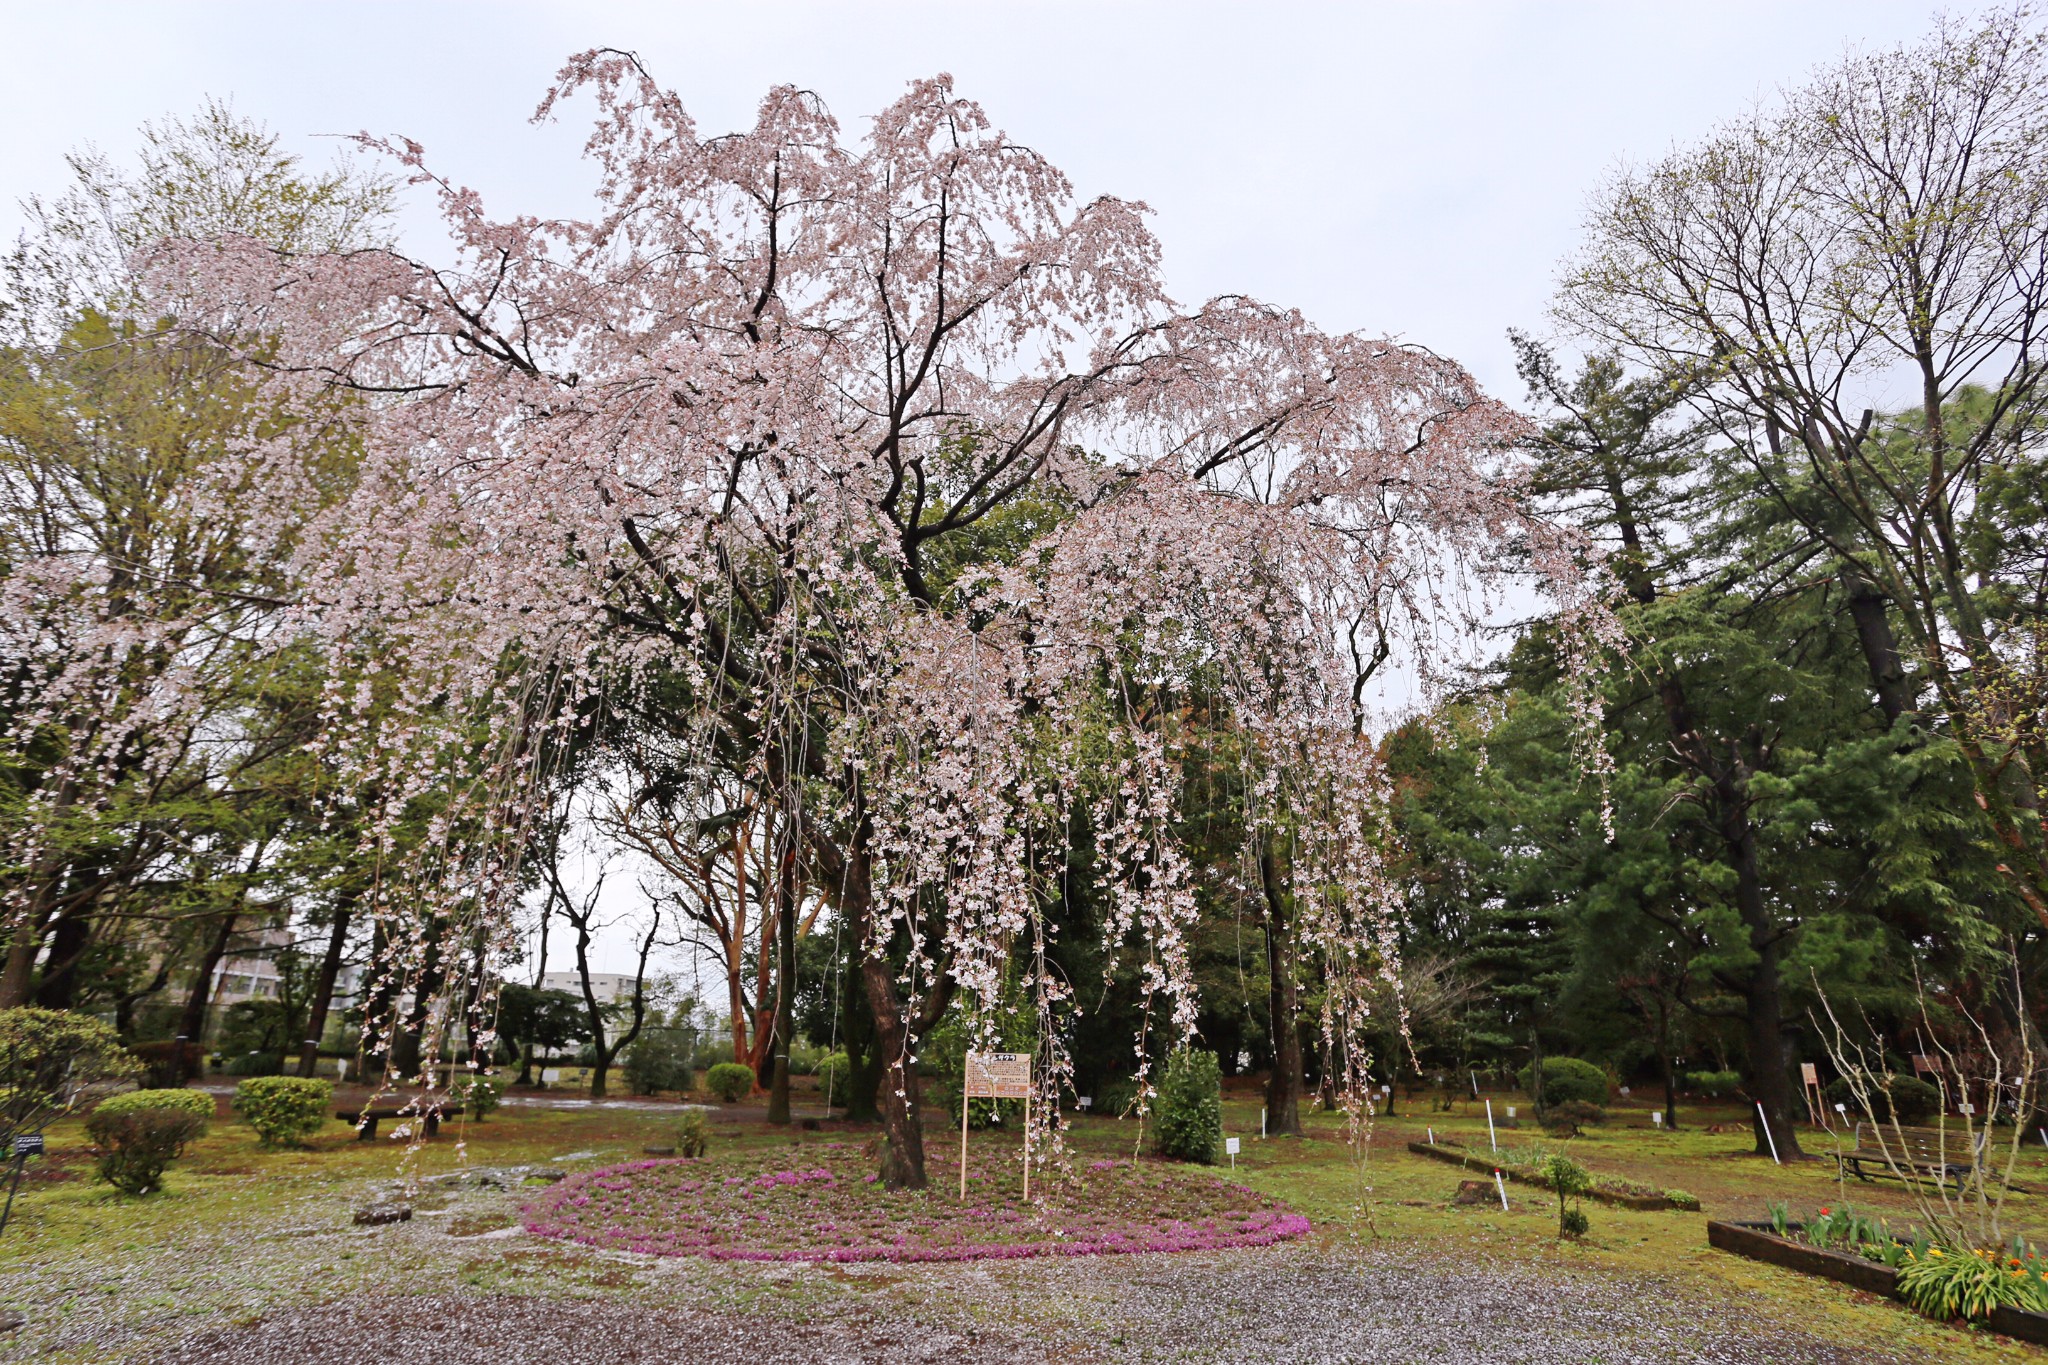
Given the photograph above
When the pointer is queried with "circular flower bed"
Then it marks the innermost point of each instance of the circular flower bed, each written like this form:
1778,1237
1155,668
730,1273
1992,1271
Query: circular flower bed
831,1209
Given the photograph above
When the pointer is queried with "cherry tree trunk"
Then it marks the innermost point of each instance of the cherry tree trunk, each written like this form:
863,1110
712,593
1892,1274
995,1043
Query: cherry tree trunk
1283,1007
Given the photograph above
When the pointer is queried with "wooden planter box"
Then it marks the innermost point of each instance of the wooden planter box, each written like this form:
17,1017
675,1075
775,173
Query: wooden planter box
1759,1243
1458,1156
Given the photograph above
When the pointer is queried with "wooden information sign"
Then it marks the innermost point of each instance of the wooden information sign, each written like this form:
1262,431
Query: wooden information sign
996,1076
1809,1086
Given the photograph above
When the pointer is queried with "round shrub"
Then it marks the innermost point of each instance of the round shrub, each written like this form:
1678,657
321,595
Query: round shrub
1191,1107
730,1081
284,1110
693,1134
136,1144
1566,1079
195,1102
1911,1099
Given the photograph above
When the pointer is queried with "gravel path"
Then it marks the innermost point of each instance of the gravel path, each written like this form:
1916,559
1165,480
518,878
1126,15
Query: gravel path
1286,1304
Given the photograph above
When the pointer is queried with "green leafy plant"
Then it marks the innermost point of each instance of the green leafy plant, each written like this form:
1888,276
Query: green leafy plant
1190,1107
1682,1200
1947,1284
730,1081
1566,1079
1570,1181
477,1096
136,1144
693,1134
284,1110
1781,1218
52,1062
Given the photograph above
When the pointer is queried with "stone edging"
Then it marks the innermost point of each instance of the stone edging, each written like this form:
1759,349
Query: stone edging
1759,1243
1641,1203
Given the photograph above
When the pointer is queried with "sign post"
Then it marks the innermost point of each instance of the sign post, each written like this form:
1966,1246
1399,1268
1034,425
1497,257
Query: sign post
25,1146
996,1076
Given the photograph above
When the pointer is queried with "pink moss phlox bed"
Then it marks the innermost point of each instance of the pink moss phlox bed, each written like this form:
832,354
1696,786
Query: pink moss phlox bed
680,1207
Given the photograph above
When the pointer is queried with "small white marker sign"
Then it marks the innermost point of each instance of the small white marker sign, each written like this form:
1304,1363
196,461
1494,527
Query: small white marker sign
1230,1146
1084,1101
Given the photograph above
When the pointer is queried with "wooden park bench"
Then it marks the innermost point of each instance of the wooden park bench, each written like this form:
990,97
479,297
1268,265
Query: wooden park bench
367,1120
1944,1154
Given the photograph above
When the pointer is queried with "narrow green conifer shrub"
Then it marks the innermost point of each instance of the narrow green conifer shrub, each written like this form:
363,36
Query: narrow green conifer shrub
1190,1107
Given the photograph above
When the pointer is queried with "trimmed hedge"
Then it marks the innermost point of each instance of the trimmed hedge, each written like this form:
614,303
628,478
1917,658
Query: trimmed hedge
195,1102
284,1110
1566,1079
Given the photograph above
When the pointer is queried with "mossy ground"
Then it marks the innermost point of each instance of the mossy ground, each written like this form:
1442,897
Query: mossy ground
240,1231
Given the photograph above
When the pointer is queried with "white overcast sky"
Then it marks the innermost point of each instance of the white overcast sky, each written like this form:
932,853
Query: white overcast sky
1415,169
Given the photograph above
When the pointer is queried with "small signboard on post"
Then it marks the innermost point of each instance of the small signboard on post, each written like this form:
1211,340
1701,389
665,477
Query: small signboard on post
29,1145
1809,1085
996,1076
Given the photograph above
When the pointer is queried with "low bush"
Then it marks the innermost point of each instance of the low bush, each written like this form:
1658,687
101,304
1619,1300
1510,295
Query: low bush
1910,1098
659,1060
476,1096
730,1081
1713,1084
284,1110
255,1064
1682,1200
1567,1118
1190,1118
195,1102
693,1134
137,1143
1566,1079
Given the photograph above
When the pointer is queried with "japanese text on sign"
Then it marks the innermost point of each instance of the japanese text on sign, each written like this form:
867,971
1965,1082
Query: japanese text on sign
998,1075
